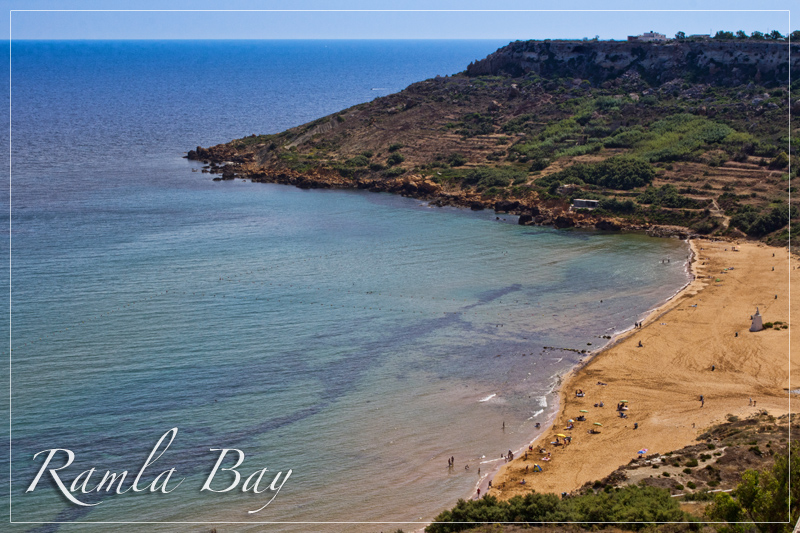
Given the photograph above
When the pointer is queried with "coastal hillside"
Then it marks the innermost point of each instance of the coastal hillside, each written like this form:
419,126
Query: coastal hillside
684,137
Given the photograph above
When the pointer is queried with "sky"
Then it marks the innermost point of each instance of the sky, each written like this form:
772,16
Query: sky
381,19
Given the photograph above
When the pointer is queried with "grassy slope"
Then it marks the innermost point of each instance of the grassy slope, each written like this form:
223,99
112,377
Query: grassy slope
722,148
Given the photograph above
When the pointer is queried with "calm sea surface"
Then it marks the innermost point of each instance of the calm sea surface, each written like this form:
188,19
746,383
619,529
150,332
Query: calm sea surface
357,339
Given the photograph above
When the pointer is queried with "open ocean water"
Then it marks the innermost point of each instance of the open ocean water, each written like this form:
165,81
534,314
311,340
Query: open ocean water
358,339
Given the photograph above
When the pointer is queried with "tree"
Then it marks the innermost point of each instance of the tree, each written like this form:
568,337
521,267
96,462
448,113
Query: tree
757,35
775,35
795,36
741,35
764,497
680,35
723,35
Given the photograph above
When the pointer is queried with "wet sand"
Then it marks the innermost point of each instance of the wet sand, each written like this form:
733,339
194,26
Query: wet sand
664,379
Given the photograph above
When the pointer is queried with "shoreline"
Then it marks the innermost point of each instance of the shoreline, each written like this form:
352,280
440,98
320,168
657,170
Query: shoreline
660,398
529,210
562,380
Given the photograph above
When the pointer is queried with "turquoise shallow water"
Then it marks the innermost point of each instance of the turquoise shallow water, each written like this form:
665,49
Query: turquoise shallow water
358,339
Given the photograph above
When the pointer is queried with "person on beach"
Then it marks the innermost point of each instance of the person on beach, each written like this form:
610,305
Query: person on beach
713,367
702,401
479,492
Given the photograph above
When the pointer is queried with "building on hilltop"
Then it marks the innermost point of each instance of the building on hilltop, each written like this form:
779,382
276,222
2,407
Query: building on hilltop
648,37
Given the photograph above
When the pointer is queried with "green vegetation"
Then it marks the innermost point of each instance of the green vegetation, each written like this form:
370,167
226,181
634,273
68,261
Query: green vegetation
667,196
614,173
473,124
763,497
679,137
395,159
358,161
487,177
634,504
456,160
754,224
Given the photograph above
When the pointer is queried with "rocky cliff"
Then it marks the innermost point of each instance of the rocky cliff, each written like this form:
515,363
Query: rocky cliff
723,63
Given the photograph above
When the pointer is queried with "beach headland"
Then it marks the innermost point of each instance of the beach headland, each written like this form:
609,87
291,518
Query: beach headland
697,345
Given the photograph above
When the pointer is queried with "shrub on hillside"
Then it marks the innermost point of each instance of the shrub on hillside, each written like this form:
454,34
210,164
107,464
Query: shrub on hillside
395,159
486,177
616,172
632,507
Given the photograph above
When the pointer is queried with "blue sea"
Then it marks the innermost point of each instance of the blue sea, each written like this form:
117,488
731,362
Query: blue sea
357,339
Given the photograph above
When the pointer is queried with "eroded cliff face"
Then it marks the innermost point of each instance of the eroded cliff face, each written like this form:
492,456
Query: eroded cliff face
716,62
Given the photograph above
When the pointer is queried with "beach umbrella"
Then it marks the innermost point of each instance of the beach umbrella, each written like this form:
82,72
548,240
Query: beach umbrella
584,411
598,424
571,420
560,435
642,451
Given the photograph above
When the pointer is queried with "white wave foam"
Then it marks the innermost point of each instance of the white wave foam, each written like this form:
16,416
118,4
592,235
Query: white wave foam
537,413
488,398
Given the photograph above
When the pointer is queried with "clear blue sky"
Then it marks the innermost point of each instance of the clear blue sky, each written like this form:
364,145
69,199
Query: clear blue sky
388,24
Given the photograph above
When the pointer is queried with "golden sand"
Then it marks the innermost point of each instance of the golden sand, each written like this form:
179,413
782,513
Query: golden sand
664,378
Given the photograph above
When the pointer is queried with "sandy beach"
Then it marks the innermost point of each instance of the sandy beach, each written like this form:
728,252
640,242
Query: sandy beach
663,379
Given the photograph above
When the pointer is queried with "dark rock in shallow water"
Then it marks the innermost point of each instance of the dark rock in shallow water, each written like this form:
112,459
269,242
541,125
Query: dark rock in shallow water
607,225
477,206
524,220
562,221
505,206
